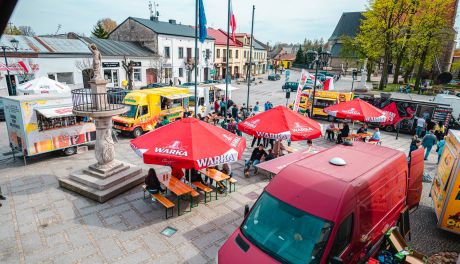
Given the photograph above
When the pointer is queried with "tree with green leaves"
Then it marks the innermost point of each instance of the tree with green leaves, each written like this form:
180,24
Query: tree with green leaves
430,33
383,26
99,31
300,56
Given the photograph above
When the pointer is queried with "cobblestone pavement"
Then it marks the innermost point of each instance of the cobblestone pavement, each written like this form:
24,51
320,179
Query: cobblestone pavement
42,223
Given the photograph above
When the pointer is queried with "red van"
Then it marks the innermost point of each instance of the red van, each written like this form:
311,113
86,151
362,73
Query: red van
331,207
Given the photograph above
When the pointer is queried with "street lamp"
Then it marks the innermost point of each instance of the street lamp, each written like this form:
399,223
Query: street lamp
318,59
15,44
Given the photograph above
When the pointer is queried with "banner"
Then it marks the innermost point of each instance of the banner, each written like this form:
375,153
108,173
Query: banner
302,81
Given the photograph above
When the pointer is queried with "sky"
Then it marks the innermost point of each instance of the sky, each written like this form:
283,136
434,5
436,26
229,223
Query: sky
289,21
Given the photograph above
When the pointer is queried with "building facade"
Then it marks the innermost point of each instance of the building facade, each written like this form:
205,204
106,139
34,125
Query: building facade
235,56
259,54
173,47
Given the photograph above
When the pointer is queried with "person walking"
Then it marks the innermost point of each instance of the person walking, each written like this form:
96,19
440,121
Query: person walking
439,130
223,107
441,144
234,111
428,141
421,122
255,110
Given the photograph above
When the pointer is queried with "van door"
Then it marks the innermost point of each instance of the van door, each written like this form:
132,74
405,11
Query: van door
342,246
416,167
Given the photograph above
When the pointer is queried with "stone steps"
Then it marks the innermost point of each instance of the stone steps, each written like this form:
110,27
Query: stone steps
101,195
102,184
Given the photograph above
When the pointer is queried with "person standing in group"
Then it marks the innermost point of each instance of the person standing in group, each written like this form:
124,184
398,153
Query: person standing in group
223,107
217,106
234,111
428,141
177,172
254,139
171,82
232,126
421,122
152,183
439,130
255,110
441,144
266,106
414,145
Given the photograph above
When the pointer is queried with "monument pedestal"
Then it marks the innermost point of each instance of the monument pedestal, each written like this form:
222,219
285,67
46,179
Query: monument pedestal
108,177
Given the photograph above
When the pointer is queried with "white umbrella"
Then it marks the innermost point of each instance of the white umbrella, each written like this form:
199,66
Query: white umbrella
43,85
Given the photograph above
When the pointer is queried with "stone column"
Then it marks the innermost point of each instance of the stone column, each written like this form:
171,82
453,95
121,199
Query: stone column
105,152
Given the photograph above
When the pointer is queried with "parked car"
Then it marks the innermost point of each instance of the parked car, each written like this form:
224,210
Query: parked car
187,84
292,86
153,85
210,81
274,77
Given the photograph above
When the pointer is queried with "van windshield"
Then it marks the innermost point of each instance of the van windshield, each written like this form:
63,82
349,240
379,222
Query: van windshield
286,233
131,113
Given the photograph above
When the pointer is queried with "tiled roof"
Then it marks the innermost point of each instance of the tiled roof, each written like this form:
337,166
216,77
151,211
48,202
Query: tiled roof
167,28
285,57
348,25
109,47
220,37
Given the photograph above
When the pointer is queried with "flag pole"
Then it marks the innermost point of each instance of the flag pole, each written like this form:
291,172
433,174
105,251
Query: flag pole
226,66
250,58
196,55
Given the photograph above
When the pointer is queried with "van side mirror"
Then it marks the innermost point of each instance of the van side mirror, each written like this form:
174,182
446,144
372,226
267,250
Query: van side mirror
246,210
336,260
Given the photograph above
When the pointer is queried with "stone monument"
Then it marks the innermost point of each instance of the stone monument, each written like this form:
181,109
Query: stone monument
362,84
108,177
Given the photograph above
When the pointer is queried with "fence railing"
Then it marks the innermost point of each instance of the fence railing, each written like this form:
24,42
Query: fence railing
85,100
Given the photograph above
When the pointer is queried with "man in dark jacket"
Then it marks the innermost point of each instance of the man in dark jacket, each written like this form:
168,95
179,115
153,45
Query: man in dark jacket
256,156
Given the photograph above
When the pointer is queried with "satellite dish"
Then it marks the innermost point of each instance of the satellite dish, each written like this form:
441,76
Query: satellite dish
444,77
338,162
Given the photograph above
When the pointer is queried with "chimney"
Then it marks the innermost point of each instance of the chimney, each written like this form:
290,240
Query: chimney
172,21
154,18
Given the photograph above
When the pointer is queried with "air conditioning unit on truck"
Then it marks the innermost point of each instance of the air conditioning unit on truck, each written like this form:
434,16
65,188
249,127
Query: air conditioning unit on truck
331,207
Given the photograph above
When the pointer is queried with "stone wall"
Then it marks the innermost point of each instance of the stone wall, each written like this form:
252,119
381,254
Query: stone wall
131,30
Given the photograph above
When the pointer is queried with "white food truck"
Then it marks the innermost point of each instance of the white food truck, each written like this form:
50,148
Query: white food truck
42,123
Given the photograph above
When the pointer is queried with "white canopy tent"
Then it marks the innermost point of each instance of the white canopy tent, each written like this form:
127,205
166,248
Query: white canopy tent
43,85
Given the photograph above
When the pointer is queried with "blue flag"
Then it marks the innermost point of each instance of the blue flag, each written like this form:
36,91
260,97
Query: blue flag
202,22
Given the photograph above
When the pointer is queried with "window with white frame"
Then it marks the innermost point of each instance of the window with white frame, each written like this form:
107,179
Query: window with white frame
63,77
181,52
167,53
181,72
137,75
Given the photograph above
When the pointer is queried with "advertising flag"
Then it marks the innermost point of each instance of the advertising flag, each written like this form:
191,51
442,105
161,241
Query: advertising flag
302,81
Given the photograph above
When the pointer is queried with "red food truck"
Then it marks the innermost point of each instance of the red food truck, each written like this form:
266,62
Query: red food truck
331,207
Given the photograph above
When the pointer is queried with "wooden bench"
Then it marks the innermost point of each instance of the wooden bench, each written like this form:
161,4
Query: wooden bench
375,142
195,196
232,182
161,199
206,189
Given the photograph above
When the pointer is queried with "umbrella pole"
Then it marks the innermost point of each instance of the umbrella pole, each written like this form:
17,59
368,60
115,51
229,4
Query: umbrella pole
353,127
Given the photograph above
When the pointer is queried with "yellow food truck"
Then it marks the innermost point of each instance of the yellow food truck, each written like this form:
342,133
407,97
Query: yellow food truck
445,190
323,99
149,107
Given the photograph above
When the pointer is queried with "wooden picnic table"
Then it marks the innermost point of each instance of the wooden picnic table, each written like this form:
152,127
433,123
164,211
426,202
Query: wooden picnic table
177,187
361,136
216,175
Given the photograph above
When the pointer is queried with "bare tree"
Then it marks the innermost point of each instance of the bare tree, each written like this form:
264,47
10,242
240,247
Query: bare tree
157,62
27,31
129,69
86,67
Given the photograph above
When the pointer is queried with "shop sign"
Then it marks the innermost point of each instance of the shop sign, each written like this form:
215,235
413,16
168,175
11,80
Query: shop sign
110,64
16,67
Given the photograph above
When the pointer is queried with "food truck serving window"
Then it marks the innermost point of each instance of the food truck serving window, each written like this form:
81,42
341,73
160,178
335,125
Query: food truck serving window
51,118
285,232
172,101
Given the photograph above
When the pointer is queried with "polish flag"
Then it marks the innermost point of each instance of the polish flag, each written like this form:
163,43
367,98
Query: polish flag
25,66
329,85
232,22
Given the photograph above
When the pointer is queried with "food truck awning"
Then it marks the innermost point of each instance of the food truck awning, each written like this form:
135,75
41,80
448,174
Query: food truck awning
222,87
276,165
55,112
176,96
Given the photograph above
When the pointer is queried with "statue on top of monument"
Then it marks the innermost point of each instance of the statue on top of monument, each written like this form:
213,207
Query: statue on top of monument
97,64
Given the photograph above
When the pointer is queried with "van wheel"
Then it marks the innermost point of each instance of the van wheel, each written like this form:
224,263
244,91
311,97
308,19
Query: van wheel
137,132
389,128
330,118
70,151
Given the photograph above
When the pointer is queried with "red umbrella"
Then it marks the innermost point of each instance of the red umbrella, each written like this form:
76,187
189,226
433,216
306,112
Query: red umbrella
281,123
189,143
356,110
